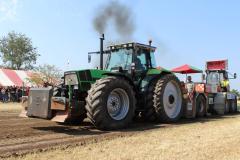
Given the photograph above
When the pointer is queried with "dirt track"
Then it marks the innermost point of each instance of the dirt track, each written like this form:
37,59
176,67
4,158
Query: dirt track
23,135
19,136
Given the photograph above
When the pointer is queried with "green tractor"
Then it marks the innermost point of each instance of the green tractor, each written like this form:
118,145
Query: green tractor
129,85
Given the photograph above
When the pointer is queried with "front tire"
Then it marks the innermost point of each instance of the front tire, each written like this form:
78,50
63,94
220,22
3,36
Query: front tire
228,107
111,103
201,106
150,113
236,104
233,106
168,99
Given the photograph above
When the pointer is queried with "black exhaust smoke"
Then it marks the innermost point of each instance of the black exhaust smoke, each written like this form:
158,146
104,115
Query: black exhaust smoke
120,14
122,18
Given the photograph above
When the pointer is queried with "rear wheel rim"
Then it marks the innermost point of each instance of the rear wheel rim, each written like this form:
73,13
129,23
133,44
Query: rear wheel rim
118,104
172,99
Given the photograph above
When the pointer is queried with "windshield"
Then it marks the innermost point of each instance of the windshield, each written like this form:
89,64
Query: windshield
214,78
120,58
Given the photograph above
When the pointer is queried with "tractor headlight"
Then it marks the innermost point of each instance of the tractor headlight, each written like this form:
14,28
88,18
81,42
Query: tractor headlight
75,87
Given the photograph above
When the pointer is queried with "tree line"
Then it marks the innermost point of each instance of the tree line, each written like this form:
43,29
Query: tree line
17,52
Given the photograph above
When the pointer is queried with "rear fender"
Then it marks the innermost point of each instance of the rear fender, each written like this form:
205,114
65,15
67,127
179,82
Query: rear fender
151,76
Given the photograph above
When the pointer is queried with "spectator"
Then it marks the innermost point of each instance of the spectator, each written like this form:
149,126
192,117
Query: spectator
189,84
3,92
1,96
11,93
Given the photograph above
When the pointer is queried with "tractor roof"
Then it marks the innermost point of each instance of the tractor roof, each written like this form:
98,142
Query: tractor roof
131,45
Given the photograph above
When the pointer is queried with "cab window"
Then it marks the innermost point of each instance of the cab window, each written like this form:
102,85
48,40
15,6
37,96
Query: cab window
154,65
140,60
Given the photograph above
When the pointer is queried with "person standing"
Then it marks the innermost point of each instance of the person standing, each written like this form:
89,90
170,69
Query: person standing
1,96
7,94
190,88
3,92
189,84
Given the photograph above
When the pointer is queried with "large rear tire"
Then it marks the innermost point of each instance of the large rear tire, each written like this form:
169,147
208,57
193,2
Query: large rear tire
111,103
168,99
201,106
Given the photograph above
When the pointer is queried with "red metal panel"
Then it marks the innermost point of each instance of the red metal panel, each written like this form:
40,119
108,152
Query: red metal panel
217,65
200,88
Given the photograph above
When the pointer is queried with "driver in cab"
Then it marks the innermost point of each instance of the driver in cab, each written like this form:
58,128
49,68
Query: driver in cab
138,64
225,85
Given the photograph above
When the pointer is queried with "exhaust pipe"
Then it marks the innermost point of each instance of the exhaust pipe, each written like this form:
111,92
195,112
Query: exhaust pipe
101,51
150,42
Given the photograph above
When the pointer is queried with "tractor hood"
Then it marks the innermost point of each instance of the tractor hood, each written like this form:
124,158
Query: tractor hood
84,78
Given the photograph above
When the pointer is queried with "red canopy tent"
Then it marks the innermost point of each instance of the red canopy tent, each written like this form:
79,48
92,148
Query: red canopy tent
186,69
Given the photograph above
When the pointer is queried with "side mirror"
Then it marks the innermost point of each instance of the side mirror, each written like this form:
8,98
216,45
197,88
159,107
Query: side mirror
235,75
203,77
89,58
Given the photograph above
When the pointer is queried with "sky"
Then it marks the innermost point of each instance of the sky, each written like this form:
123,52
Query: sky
184,32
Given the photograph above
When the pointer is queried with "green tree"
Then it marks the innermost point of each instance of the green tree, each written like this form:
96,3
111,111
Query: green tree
46,73
17,51
235,92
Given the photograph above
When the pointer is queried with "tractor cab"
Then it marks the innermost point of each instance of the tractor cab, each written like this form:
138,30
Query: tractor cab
130,57
216,72
215,77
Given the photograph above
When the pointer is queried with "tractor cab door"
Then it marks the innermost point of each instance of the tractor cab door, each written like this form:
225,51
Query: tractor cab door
141,63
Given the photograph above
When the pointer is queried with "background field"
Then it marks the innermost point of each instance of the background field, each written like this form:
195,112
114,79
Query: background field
14,107
207,139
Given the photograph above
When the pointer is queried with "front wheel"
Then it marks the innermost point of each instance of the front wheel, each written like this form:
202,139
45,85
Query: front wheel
111,103
201,106
233,106
228,106
236,104
168,99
